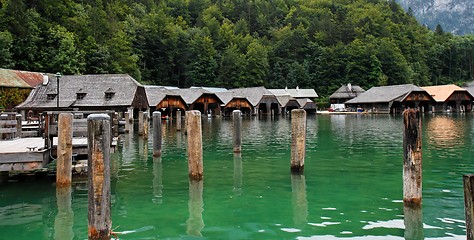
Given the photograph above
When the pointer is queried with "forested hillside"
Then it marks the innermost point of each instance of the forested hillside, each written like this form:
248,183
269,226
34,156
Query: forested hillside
318,44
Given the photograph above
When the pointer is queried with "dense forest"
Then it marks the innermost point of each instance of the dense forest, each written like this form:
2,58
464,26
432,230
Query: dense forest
318,44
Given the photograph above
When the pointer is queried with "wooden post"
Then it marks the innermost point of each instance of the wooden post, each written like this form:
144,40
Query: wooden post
157,133
18,126
127,122
98,127
64,220
468,181
178,120
64,150
412,158
237,117
298,140
194,129
146,123
140,123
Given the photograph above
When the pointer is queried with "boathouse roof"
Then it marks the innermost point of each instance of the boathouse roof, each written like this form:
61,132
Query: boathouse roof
385,94
101,91
295,93
156,94
347,92
20,79
441,93
253,94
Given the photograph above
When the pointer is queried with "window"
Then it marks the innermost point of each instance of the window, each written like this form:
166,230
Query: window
109,94
51,96
80,96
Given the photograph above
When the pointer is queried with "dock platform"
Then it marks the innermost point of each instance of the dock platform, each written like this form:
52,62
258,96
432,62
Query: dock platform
23,154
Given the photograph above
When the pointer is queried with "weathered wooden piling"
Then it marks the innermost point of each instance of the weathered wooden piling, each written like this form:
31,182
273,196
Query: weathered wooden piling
237,118
195,222
127,122
140,123
64,220
298,140
194,130
468,181
18,126
64,150
157,134
98,127
412,158
413,220
146,124
178,120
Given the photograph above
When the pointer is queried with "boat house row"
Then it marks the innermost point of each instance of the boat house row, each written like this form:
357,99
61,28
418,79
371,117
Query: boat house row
121,93
394,99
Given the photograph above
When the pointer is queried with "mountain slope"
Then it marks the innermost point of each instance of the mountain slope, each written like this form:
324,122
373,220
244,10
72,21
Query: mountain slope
453,15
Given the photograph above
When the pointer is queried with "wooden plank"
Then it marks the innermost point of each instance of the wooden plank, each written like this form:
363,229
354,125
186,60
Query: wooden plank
21,144
8,122
8,130
22,157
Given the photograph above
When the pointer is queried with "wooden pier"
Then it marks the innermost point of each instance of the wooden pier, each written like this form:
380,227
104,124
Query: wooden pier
23,154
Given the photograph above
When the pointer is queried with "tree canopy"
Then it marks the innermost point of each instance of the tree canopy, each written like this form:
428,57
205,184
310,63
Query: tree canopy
318,44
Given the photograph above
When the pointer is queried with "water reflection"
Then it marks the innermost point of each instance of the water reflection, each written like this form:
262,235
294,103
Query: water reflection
238,173
299,202
157,180
446,131
413,220
64,220
195,222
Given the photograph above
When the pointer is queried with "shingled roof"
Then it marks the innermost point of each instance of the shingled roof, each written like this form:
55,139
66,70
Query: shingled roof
156,94
253,94
295,93
121,88
385,94
347,91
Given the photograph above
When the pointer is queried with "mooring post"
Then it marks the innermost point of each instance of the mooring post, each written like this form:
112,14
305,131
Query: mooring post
98,165
18,126
194,129
127,122
140,123
468,181
178,120
412,158
157,133
298,140
64,150
146,124
237,117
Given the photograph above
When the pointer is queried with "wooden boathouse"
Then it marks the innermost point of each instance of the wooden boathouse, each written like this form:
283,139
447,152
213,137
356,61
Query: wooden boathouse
113,92
262,100
450,98
392,99
345,93
165,100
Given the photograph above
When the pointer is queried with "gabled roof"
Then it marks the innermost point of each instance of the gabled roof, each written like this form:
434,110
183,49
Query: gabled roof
441,93
296,93
123,86
385,94
253,94
347,91
469,87
19,79
156,94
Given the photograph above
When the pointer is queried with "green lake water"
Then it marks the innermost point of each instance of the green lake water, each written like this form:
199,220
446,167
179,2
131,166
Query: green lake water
351,187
